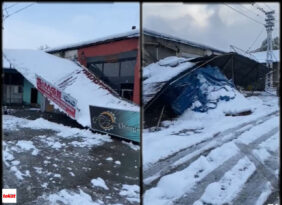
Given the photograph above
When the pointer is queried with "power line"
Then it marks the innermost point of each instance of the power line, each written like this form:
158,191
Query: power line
5,17
262,9
263,6
244,14
8,7
255,40
257,14
268,6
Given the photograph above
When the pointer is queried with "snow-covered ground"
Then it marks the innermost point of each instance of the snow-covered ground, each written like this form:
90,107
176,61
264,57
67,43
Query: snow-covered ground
211,158
50,163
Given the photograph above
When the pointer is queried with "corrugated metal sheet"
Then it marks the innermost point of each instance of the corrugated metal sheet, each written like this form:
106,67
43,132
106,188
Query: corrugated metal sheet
179,40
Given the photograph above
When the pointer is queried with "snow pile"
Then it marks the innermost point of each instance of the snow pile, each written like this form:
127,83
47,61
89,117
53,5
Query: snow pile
99,182
118,162
85,138
214,93
131,192
156,74
202,90
55,70
12,123
27,145
237,103
70,197
7,154
19,174
203,126
11,163
131,145
88,138
171,61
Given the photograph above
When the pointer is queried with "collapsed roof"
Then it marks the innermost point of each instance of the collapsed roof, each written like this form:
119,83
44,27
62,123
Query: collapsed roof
174,84
69,77
156,75
244,72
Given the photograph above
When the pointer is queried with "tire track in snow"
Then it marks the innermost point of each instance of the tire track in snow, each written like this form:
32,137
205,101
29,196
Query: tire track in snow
184,157
252,190
254,184
264,181
191,176
267,173
198,190
224,190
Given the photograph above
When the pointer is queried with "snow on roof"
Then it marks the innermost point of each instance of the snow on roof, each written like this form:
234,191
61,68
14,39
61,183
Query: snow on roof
114,37
131,34
157,74
165,69
261,56
55,70
179,40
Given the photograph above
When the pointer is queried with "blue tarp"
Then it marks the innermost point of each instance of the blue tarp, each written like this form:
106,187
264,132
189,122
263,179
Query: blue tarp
200,90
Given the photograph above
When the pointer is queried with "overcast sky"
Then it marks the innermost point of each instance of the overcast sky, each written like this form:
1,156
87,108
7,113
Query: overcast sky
216,25
57,24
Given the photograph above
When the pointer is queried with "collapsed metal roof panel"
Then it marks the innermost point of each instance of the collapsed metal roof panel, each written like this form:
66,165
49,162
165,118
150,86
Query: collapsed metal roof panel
77,85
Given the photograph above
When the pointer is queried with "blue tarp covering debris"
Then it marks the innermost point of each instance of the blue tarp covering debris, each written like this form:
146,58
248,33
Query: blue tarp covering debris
200,90
198,84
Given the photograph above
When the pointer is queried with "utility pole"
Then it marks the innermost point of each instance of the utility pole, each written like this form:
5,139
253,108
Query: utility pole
269,61
269,24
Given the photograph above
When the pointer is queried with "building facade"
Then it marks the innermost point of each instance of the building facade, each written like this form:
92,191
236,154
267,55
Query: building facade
19,91
157,46
113,59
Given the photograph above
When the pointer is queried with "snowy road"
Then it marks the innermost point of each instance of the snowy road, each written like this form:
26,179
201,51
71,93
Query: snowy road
235,165
49,163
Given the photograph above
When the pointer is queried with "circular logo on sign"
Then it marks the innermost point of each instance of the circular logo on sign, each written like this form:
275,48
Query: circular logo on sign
106,120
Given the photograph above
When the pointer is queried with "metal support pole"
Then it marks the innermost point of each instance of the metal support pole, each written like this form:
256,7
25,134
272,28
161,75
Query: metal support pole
269,61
